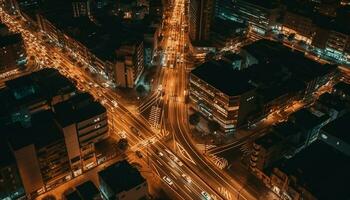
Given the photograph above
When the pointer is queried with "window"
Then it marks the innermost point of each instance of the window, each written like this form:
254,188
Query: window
75,159
97,119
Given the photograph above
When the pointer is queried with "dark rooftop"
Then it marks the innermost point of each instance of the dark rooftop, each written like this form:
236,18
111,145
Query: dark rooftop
73,196
102,36
269,140
88,190
339,127
323,170
43,131
121,176
77,109
6,157
305,119
281,59
342,86
223,77
10,40
332,101
271,4
47,82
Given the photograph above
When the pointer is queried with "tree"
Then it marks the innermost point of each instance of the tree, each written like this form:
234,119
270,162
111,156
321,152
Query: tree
123,144
213,126
194,119
141,90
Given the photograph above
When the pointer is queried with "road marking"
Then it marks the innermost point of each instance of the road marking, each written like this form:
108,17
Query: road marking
184,153
187,188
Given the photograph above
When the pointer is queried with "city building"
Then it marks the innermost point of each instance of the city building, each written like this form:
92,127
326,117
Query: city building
200,20
291,69
227,34
4,30
284,139
122,181
342,90
129,65
81,8
260,15
96,42
224,9
221,93
31,93
10,181
84,191
333,105
88,191
317,172
40,153
12,53
299,25
83,122
310,122
270,78
335,134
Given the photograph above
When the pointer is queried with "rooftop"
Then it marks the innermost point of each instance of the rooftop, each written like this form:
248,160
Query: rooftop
338,128
271,4
323,170
342,86
269,140
6,157
305,119
77,109
223,77
332,101
102,36
10,40
88,190
282,61
42,132
121,176
73,196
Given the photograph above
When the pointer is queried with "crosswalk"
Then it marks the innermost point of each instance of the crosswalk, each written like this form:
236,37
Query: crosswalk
221,163
205,147
246,149
154,117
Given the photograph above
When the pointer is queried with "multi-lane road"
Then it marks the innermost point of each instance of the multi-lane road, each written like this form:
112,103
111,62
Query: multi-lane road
179,178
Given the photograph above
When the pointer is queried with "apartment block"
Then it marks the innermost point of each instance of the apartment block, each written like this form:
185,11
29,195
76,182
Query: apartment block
83,122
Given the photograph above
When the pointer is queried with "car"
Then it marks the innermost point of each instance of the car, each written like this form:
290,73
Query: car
168,180
187,178
206,195
115,104
135,130
160,153
178,161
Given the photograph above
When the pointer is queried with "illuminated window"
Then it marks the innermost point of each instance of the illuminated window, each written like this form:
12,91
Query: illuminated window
97,119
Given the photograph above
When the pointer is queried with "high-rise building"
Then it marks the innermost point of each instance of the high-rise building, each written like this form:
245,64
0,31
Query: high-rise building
83,122
222,93
200,19
12,52
81,8
31,93
40,154
260,15
129,65
10,182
